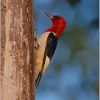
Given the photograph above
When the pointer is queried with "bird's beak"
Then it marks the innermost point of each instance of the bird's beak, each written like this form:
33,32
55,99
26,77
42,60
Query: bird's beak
49,15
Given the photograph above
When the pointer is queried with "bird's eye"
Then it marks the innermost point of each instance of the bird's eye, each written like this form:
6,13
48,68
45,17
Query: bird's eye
57,17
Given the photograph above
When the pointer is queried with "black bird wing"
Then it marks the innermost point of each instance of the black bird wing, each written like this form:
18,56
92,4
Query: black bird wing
51,45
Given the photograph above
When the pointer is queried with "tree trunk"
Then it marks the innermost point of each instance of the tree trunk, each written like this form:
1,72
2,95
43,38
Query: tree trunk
17,56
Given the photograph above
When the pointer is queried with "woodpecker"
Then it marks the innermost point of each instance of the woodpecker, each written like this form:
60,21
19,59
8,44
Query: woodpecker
47,44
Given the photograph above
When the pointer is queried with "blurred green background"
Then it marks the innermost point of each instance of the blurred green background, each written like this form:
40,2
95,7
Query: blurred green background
73,73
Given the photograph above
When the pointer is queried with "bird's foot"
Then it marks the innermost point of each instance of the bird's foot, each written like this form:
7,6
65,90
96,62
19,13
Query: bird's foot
36,43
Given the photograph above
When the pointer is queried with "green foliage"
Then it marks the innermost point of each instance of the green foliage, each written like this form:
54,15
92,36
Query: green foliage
75,39
73,2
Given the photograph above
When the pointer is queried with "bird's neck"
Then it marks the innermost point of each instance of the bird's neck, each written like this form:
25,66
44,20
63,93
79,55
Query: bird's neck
55,29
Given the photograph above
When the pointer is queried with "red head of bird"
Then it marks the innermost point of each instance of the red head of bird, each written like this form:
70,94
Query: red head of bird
58,24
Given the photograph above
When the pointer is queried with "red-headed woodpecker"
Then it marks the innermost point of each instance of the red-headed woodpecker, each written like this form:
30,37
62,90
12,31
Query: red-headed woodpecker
47,45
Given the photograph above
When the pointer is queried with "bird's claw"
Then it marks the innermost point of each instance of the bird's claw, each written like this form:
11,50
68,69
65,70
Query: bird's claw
36,43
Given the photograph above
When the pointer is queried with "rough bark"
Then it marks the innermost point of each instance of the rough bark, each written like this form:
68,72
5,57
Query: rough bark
17,56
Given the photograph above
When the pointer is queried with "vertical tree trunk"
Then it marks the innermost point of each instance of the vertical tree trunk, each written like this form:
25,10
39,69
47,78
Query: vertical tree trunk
17,58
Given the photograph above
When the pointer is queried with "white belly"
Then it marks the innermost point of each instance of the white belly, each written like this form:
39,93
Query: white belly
40,54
